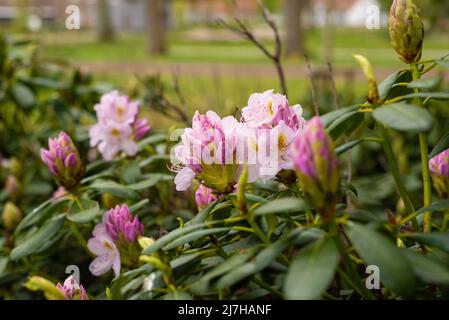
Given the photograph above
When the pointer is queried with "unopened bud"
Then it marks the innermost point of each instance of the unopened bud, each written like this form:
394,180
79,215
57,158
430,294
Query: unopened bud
317,167
406,30
13,187
11,216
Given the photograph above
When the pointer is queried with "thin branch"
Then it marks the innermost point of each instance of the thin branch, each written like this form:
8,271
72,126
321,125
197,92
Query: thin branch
312,86
240,29
333,86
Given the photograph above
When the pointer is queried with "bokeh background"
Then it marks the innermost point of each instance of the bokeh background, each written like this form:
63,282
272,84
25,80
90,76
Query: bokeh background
120,40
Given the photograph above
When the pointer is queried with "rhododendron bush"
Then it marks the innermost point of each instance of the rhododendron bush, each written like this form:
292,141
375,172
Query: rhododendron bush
272,202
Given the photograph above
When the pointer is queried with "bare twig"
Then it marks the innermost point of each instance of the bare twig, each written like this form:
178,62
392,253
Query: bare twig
312,86
160,103
244,32
333,86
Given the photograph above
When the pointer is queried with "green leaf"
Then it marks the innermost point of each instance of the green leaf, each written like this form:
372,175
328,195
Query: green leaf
330,117
34,243
23,96
88,211
150,181
376,249
263,259
443,63
436,206
173,235
346,124
312,271
284,205
200,234
139,205
41,213
404,117
441,145
387,88
433,239
131,173
231,263
430,95
427,269
115,189
153,139
425,83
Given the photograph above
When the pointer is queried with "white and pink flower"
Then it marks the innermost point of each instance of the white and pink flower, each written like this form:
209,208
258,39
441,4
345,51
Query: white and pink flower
118,128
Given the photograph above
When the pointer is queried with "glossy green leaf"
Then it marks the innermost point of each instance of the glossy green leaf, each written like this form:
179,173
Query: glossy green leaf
433,239
263,259
404,117
34,243
441,145
115,189
346,124
84,212
23,96
284,205
312,271
376,249
428,270
425,83
436,206
173,235
330,117
200,234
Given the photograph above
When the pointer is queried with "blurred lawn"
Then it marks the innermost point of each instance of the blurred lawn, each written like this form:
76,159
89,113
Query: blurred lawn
225,93
375,44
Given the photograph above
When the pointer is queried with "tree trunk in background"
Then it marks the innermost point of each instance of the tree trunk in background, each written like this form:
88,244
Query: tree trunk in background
105,30
156,26
294,36
327,33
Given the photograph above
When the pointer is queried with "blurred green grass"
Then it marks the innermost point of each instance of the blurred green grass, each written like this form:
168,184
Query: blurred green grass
224,92
81,46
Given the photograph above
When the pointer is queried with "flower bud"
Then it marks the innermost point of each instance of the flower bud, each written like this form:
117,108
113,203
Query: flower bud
47,287
145,242
72,290
15,167
13,187
439,169
316,164
63,161
406,30
204,196
11,216
120,225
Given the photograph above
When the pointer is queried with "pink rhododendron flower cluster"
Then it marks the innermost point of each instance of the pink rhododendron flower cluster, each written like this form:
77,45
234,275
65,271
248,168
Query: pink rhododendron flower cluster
114,240
118,127
72,290
207,151
214,150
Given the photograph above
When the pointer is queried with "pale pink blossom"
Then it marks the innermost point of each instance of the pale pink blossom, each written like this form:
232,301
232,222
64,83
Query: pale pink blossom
118,128
108,256
207,152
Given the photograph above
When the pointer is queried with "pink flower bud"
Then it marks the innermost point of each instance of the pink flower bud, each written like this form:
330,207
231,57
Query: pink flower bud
317,166
120,225
63,161
439,169
204,196
72,290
